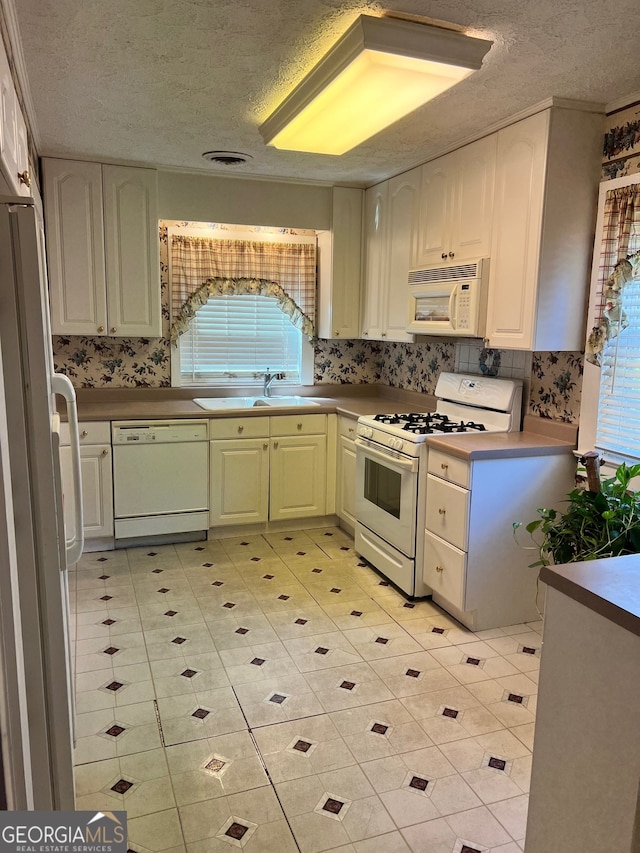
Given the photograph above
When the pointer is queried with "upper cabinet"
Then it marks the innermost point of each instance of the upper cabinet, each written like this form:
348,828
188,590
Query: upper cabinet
103,252
339,267
546,187
456,205
14,152
390,236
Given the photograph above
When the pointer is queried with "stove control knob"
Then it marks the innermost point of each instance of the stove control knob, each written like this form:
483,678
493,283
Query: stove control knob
366,432
397,443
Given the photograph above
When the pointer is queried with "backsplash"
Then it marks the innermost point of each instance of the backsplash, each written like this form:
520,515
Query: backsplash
414,367
552,380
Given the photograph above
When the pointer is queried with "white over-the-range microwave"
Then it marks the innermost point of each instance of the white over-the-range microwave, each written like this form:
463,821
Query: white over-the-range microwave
449,299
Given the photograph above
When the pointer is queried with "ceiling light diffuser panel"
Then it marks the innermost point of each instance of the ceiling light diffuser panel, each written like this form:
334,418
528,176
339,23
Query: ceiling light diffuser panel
379,71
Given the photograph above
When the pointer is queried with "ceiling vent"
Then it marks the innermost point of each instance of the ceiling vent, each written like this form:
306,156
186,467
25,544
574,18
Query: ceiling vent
227,158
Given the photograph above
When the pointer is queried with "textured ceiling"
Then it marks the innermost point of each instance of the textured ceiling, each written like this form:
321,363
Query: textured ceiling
162,81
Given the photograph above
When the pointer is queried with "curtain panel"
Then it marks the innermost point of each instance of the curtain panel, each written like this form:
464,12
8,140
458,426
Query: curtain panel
619,263
203,267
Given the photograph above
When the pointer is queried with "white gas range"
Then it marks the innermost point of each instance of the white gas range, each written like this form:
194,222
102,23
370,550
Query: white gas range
391,468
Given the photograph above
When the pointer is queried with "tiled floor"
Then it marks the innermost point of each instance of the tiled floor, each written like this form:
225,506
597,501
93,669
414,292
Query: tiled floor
273,693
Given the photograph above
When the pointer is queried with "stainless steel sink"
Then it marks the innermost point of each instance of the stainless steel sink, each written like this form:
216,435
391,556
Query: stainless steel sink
217,404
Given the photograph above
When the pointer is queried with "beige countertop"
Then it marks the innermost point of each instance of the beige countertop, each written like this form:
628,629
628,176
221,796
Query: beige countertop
609,587
153,404
539,437
472,446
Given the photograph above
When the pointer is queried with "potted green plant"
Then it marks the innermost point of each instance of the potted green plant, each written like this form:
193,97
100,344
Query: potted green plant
602,520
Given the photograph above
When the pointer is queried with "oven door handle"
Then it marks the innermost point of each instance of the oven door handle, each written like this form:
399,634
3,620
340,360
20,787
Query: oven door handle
389,456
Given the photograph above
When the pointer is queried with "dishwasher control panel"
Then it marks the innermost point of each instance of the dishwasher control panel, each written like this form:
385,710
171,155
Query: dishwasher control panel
161,432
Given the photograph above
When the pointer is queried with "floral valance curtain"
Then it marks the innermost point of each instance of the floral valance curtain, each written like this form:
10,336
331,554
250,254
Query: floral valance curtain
203,267
619,264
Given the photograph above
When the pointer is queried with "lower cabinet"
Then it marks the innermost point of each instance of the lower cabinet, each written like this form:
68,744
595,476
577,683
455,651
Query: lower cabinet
298,477
267,469
97,480
346,480
476,569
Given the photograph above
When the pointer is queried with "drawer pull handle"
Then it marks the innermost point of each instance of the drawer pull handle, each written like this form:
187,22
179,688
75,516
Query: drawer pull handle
442,511
25,178
100,329
350,429
299,426
444,466
275,445
439,568
105,452
240,429
265,446
84,433
113,330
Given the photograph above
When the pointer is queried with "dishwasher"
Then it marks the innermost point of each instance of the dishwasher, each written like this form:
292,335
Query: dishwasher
160,477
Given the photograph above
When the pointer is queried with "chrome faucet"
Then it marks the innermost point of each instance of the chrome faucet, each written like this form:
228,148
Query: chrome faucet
268,379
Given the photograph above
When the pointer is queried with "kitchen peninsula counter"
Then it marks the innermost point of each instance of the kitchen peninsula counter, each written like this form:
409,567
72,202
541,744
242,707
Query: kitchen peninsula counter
586,758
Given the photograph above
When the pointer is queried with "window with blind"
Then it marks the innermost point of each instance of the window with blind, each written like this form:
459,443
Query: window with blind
618,423
235,339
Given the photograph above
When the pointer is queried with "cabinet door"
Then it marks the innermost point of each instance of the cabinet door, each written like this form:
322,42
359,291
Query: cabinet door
515,248
436,195
339,267
472,209
132,251
75,247
401,238
298,477
14,154
239,482
346,508
97,490
375,224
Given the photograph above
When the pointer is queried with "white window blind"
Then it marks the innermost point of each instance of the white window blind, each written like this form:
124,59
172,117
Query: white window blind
233,338
618,426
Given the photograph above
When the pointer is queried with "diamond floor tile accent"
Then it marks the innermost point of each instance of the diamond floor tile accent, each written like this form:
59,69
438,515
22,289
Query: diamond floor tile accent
419,783
333,806
201,713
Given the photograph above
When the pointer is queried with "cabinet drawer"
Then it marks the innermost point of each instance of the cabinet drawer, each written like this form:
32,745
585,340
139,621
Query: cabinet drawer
445,569
447,511
347,427
94,432
239,428
299,425
449,468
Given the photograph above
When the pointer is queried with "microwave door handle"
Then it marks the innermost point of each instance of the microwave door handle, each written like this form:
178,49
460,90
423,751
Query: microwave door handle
453,307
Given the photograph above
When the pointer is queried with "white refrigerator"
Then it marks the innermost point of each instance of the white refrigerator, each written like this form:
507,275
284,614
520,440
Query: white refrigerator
36,676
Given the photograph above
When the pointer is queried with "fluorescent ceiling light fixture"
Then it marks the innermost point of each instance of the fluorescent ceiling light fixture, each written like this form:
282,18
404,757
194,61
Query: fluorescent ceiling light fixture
379,71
